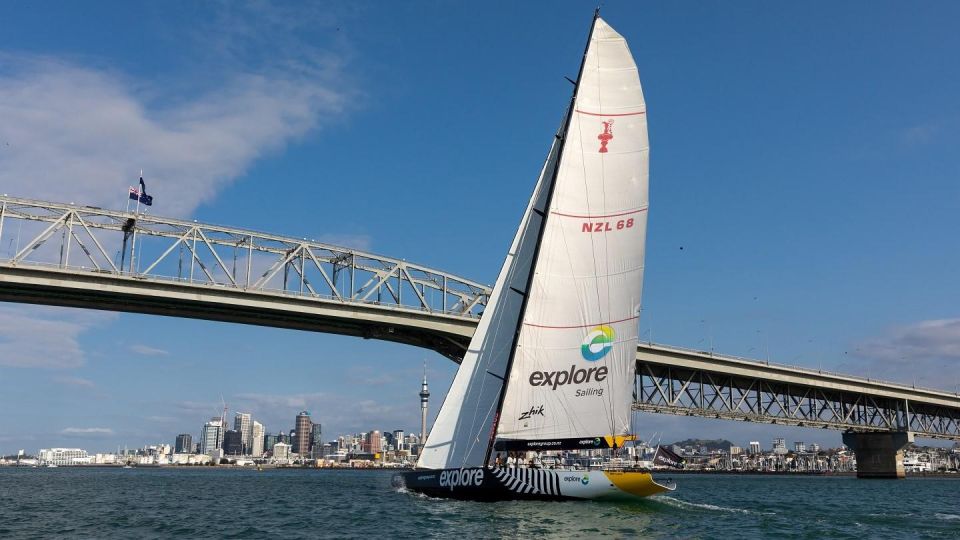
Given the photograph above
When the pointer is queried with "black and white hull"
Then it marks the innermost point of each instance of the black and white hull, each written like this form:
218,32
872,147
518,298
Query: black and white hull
506,484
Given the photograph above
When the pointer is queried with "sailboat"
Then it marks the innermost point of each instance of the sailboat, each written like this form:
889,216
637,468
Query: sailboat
552,364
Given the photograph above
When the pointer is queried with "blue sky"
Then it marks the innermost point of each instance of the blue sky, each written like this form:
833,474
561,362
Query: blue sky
804,189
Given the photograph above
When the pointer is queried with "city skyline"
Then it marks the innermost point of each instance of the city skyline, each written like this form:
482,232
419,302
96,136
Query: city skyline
797,202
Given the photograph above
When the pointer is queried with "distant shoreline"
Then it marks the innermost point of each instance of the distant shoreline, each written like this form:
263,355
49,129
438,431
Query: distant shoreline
801,473
404,469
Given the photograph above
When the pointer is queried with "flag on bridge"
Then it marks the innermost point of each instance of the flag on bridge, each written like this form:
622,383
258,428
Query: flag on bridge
140,195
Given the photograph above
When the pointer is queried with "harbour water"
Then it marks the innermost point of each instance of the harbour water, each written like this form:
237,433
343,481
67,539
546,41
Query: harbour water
206,502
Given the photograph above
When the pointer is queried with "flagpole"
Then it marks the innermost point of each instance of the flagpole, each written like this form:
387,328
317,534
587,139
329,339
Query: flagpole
133,245
140,193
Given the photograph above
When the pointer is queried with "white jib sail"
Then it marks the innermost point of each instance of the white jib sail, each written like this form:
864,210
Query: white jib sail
461,433
573,371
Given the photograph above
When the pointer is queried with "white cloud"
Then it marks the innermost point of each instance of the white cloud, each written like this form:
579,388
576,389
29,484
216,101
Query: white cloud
935,339
146,350
286,402
75,381
86,431
338,413
82,134
927,352
35,336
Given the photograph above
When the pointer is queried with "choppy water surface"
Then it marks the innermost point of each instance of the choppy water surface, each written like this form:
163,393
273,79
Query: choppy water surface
202,503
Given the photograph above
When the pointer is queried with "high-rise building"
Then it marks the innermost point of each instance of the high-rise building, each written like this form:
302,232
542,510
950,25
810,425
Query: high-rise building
184,444
424,398
779,445
316,441
242,424
814,447
211,438
232,443
303,427
256,445
398,443
374,442
269,441
799,447
754,447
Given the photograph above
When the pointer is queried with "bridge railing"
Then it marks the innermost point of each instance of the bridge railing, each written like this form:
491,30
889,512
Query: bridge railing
89,239
800,369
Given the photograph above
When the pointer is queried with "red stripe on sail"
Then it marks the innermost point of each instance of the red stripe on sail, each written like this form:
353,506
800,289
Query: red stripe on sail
600,216
581,325
611,114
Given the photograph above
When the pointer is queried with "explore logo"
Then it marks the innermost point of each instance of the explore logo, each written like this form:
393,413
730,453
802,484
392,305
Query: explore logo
461,478
597,343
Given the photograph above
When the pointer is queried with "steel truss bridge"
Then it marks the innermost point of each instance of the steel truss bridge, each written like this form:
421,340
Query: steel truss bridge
88,257
698,383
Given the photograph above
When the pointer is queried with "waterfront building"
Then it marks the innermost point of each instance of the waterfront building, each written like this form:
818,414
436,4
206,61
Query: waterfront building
735,450
754,447
63,456
269,441
814,447
233,443
799,447
184,444
316,441
374,443
256,444
242,424
211,438
779,446
281,452
303,426
398,441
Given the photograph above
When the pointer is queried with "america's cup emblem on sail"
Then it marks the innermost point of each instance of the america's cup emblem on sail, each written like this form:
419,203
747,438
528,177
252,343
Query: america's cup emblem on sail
606,136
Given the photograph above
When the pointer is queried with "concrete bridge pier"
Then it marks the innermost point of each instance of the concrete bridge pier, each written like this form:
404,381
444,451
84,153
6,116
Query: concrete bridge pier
879,453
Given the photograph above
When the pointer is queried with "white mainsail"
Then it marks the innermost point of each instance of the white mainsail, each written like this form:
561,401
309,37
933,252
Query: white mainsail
577,323
461,433
572,374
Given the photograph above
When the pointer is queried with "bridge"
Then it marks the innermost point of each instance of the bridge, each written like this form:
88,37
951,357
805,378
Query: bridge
83,256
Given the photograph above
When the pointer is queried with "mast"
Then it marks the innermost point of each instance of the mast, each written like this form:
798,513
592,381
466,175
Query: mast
562,136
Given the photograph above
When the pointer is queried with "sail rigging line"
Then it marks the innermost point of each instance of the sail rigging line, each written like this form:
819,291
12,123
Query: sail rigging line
543,224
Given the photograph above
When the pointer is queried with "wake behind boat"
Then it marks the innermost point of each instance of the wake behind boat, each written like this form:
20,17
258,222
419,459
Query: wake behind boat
552,365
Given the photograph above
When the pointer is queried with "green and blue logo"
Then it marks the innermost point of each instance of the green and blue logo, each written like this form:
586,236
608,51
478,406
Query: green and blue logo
597,343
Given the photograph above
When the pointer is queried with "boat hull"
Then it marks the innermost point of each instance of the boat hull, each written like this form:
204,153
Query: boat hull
510,484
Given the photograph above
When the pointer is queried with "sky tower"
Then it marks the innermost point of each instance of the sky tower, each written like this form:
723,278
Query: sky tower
424,398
